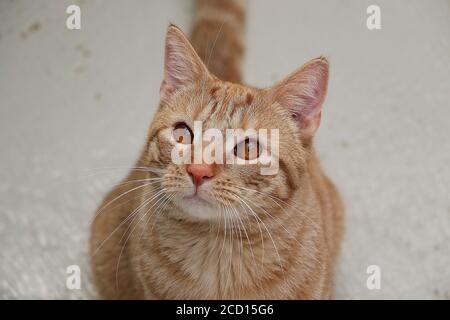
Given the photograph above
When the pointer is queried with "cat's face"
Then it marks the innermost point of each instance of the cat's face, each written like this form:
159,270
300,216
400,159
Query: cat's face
233,183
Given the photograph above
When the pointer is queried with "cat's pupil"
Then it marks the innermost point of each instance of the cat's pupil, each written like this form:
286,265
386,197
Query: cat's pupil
247,149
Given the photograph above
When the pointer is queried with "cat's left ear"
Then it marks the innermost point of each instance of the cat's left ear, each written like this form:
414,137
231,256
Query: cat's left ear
182,65
303,93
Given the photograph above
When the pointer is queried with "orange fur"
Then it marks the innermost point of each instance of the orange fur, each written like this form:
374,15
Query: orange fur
217,37
263,237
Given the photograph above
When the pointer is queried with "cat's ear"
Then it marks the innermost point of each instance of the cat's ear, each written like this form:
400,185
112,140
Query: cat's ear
182,65
303,93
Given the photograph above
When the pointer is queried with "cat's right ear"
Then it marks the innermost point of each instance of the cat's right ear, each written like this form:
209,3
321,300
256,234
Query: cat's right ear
182,65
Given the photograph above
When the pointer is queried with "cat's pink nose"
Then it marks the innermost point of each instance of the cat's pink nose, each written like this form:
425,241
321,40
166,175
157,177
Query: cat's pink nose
200,172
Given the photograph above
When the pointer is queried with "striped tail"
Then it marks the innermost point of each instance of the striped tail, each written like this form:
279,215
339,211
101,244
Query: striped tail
217,32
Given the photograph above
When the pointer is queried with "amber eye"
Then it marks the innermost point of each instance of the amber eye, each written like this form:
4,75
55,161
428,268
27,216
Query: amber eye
247,149
182,133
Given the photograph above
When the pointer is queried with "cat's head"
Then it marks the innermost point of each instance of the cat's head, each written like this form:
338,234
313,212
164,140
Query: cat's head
190,96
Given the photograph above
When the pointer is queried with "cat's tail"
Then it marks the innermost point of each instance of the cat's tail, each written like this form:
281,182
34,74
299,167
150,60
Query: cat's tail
217,36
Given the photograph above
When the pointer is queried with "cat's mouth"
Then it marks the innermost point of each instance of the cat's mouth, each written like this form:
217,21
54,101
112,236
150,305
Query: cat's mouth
196,199
199,206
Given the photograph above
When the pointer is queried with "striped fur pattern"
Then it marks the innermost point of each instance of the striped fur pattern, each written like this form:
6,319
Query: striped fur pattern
256,236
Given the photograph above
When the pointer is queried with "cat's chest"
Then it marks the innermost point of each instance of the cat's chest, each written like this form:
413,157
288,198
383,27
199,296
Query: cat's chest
208,266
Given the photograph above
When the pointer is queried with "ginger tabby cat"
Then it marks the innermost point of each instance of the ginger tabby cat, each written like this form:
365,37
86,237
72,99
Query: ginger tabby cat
220,231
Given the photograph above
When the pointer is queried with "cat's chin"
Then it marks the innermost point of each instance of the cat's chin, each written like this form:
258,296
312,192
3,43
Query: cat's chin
198,207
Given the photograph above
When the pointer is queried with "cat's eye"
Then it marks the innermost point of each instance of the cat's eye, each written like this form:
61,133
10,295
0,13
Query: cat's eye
248,149
182,133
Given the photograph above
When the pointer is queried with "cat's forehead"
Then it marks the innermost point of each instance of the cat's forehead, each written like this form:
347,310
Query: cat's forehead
226,105
231,93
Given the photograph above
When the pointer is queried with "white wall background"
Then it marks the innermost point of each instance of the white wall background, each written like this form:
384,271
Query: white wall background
72,102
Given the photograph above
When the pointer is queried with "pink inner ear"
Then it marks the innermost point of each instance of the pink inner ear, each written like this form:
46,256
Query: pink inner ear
177,66
182,65
303,93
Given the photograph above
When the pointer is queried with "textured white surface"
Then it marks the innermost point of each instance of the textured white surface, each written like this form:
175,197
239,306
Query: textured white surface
75,101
